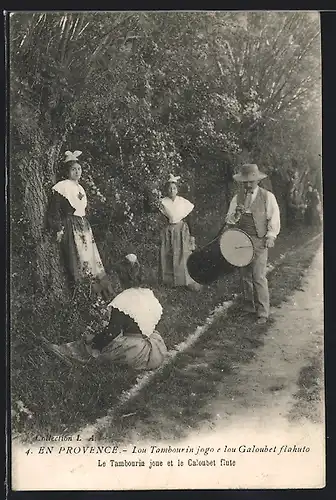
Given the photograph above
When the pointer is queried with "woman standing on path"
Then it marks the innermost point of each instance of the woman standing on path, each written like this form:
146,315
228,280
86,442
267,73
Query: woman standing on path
67,218
176,240
130,338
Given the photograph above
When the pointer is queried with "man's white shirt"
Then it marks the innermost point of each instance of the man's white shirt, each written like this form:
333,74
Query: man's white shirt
272,212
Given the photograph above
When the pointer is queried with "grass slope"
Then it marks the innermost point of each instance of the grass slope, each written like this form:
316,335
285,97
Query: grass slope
61,398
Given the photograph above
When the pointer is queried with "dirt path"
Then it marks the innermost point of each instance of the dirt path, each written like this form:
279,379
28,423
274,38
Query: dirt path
241,374
277,398
271,385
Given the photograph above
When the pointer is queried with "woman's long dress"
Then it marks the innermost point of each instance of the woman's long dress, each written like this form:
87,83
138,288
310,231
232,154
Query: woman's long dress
176,245
79,249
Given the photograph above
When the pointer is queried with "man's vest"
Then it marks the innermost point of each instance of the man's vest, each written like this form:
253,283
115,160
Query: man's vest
258,212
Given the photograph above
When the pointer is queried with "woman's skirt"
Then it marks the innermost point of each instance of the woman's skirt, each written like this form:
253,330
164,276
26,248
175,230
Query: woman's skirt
80,249
175,250
136,351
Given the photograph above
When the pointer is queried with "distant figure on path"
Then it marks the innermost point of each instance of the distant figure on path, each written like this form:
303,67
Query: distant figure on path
67,218
255,211
313,208
176,240
295,208
130,338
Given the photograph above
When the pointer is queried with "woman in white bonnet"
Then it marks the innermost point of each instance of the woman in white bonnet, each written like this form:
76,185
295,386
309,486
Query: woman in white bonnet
67,218
176,241
130,339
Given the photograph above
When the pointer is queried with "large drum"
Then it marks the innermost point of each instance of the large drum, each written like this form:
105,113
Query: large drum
230,250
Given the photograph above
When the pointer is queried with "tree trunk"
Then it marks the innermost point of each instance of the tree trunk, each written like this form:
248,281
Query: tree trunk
37,174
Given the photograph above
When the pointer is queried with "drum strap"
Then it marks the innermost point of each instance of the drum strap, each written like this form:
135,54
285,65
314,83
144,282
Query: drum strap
246,223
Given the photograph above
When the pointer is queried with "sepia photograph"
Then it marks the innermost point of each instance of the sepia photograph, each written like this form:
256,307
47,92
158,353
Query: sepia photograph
166,250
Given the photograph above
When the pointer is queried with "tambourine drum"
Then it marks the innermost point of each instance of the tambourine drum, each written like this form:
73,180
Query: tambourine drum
230,250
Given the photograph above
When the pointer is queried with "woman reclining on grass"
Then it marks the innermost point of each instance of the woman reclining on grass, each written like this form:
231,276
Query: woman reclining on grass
130,339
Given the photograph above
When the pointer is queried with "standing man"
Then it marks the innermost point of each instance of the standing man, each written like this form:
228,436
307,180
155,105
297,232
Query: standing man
255,211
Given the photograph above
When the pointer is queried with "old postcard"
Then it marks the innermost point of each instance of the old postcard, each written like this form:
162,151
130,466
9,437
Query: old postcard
166,261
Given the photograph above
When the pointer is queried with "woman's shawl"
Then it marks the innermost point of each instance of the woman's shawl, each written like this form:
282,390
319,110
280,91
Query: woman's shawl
141,305
75,195
176,210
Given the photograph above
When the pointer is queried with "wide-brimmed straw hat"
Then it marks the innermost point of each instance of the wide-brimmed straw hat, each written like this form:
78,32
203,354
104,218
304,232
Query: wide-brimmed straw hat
249,172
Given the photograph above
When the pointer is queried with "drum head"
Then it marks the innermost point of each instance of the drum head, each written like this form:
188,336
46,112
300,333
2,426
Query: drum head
236,247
